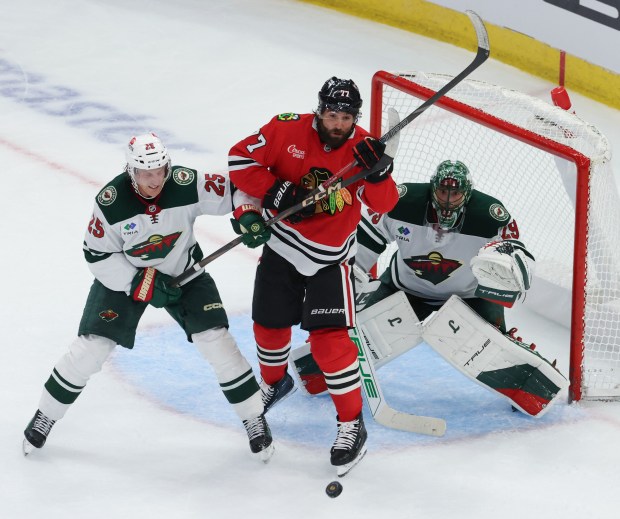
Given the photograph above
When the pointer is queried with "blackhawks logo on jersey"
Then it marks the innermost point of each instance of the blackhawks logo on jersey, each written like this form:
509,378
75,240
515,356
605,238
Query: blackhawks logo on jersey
288,117
434,267
156,246
338,198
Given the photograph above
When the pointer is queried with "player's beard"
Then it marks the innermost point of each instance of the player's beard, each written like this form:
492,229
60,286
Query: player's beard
333,139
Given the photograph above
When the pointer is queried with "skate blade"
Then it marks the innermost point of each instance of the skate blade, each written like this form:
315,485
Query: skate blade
27,447
266,453
343,470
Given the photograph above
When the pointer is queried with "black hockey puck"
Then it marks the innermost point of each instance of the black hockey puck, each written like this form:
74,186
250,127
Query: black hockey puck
334,489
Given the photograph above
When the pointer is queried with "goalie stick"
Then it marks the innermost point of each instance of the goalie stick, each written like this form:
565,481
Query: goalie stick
381,412
335,183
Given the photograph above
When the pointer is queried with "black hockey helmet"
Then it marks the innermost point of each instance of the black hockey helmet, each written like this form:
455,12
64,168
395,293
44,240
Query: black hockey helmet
340,95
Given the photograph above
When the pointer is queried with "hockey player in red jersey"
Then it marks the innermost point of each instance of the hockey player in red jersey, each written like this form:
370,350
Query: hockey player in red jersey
305,272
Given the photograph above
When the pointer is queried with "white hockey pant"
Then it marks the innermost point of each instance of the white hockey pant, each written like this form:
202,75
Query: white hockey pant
85,357
233,372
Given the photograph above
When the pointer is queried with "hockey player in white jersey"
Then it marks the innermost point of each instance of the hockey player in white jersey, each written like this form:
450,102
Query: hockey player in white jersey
139,236
459,254
439,228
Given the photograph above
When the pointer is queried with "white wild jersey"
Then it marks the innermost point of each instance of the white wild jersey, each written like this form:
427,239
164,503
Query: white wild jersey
127,232
431,263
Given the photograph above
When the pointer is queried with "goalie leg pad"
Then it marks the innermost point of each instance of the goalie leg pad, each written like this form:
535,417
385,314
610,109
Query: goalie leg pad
489,358
389,328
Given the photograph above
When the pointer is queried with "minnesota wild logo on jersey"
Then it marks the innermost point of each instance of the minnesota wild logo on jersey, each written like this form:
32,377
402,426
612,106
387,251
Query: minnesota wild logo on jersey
108,315
432,267
156,246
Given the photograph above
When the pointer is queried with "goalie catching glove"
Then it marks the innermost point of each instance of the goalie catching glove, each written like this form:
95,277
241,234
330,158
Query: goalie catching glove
151,286
249,223
504,271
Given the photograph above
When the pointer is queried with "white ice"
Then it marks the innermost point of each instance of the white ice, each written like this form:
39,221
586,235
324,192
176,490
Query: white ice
151,435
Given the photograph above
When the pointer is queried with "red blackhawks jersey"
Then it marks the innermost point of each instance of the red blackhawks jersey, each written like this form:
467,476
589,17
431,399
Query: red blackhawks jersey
289,148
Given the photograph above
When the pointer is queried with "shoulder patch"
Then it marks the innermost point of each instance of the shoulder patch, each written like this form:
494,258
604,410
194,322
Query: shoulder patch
107,195
402,190
183,176
498,212
288,117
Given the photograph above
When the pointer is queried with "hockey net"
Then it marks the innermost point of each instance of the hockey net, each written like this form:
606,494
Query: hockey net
552,171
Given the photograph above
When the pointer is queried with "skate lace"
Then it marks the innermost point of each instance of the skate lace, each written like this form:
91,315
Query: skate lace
43,424
347,434
267,392
255,427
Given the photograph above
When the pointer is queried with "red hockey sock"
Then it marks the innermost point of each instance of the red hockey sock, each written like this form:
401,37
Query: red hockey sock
336,355
272,347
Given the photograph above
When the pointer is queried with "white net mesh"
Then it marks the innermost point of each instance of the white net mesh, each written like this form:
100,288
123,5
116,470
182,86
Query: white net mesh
513,144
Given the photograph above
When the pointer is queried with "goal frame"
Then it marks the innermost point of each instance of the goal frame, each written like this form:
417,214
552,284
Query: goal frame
582,163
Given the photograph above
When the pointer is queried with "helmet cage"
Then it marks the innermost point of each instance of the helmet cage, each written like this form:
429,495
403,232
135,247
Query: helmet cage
146,152
452,177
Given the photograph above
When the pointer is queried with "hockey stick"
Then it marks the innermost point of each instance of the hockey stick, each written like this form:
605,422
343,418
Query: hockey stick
322,191
327,187
380,409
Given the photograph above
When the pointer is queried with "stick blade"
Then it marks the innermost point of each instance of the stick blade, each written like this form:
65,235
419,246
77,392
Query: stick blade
392,144
481,32
427,425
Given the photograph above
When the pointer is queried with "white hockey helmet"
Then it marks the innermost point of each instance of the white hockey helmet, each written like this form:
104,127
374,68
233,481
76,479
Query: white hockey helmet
146,152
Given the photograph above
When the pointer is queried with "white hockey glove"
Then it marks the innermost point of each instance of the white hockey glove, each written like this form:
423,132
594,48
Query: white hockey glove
504,271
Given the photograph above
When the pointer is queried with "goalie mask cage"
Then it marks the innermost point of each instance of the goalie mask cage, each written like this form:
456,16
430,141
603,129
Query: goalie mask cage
552,171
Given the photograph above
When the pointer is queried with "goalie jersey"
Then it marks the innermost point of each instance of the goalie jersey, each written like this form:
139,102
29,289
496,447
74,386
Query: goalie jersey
127,232
431,263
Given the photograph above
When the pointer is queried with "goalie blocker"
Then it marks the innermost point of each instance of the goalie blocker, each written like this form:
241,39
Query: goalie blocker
493,360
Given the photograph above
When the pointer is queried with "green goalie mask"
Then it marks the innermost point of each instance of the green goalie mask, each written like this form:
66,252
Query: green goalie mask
451,188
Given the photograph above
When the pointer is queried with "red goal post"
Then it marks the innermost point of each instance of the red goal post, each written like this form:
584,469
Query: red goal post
552,171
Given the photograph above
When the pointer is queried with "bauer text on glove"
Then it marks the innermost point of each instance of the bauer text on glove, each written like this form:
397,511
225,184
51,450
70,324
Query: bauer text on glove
283,195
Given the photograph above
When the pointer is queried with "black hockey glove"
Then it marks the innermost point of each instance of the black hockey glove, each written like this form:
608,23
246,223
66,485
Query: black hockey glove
368,152
284,194
382,174
249,223
151,286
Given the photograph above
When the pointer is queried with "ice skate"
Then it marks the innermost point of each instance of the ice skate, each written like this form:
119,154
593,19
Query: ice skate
282,389
259,434
36,432
350,445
